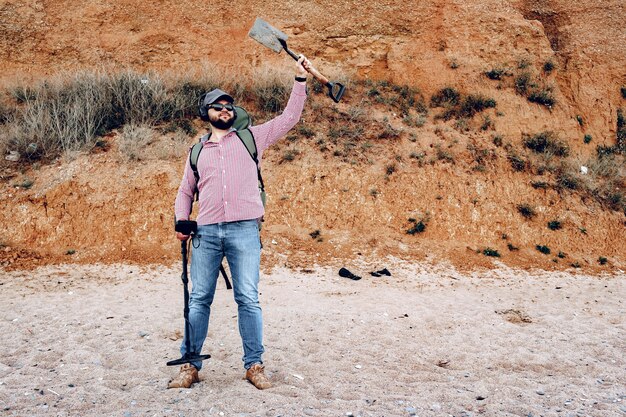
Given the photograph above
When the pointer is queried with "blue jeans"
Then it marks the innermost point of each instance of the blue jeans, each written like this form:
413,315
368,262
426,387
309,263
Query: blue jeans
240,243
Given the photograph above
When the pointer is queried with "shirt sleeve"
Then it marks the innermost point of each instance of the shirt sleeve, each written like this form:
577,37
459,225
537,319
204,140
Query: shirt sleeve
269,132
184,198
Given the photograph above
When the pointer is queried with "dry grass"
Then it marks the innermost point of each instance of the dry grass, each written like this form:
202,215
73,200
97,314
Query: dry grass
134,140
72,112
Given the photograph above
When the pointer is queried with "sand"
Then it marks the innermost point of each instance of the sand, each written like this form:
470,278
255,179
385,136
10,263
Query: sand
427,341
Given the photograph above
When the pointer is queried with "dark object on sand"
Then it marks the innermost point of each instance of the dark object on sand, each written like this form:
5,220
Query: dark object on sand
382,272
187,228
343,272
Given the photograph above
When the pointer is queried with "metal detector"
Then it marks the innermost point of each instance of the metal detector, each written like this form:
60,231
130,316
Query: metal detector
187,228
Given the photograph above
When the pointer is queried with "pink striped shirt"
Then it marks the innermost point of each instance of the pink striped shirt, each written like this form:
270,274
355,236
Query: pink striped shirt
228,185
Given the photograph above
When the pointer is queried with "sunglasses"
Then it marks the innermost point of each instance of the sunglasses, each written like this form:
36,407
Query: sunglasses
220,107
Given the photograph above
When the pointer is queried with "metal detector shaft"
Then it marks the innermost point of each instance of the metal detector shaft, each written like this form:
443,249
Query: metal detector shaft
189,356
185,279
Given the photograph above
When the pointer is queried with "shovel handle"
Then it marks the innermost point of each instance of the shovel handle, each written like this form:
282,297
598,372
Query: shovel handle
335,90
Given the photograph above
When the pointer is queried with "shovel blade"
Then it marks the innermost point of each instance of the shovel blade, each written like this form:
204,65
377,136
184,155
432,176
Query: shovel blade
267,35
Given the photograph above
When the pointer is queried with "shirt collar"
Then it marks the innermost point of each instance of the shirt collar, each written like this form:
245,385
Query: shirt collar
209,138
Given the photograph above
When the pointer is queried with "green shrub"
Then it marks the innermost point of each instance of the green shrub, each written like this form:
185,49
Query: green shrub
491,252
461,124
587,138
373,92
623,91
539,185
604,151
475,103
388,132
346,131
496,73
607,179
400,97
290,155
444,155
621,131
460,107
517,162
543,249
26,183
543,97
487,123
417,121
447,96
306,131
602,260
418,227
548,66
554,225
526,210
615,200
569,180
523,83
546,142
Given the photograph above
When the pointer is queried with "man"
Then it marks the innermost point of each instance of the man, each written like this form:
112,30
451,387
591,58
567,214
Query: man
229,210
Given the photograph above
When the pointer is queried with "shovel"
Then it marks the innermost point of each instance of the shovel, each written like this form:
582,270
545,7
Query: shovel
276,40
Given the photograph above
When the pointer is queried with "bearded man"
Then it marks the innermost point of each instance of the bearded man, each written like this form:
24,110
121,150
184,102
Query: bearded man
230,209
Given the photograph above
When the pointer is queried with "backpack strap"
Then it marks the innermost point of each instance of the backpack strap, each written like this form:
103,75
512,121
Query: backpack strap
247,138
194,154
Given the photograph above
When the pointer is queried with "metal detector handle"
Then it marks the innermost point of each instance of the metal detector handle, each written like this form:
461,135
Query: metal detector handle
335,90
183,252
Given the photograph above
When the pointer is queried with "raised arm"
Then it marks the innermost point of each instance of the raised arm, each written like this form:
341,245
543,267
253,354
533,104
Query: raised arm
269,132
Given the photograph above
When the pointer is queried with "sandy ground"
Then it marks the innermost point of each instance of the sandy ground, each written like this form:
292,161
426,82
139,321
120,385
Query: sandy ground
427,341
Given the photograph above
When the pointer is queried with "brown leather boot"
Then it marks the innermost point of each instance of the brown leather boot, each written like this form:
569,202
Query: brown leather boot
188,375
256,375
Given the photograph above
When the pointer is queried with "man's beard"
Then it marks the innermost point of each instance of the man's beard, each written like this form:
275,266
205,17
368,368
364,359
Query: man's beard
222,124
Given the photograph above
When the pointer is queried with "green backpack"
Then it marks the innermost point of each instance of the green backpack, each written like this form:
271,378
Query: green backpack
242,124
